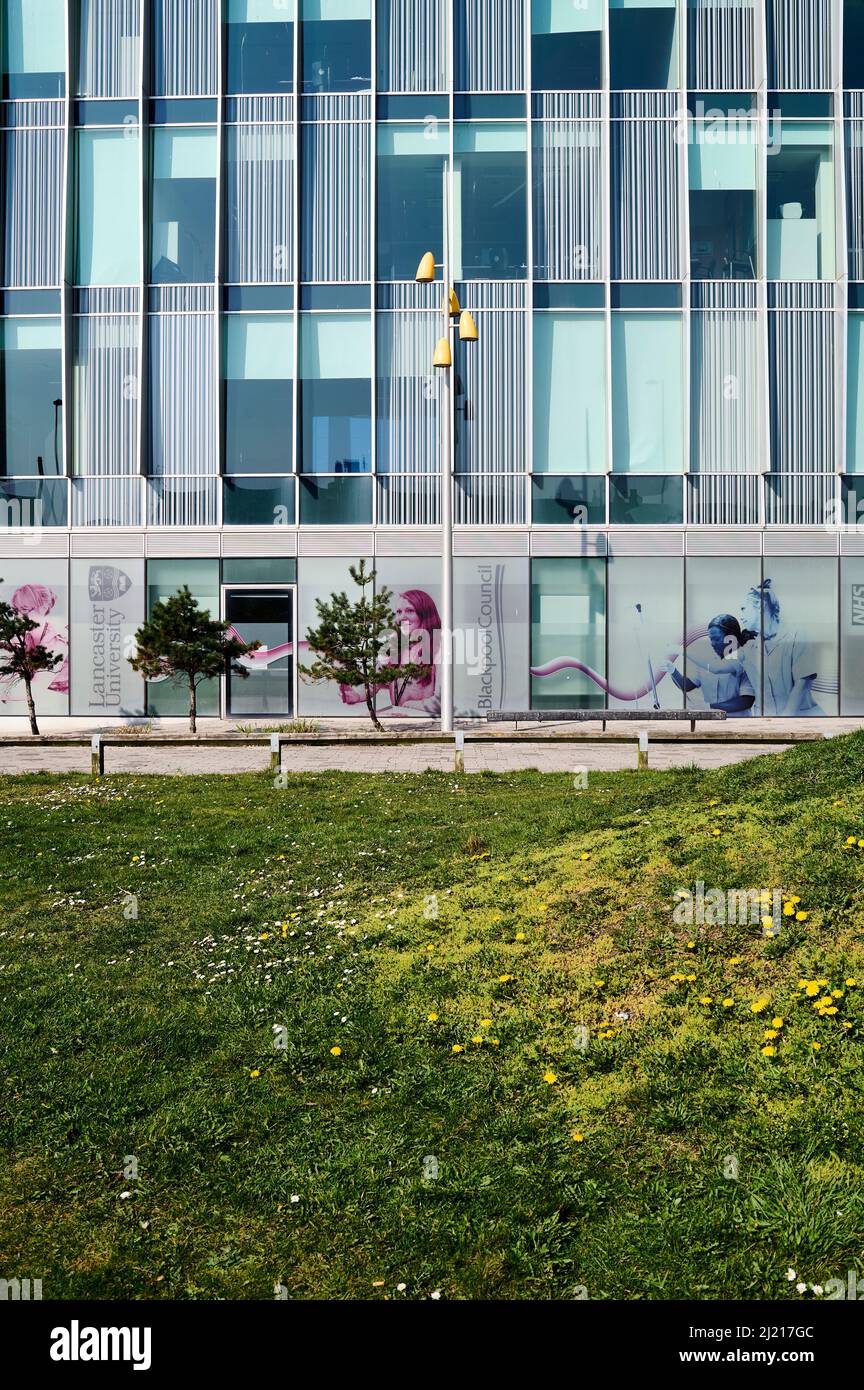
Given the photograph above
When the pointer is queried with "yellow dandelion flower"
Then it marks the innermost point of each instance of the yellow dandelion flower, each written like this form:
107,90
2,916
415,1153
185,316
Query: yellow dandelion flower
817,1047
769,1051
851,982
550,1078
690,945
457,1047
769,1034
504,979
520,936
585,856
706,999
788,910
811,988
690,977
837,993
431,1018
255,1073
576,1137
776,1023
335,1052
477,1039
758,1006
735,960
727,1003
801,916
485,1023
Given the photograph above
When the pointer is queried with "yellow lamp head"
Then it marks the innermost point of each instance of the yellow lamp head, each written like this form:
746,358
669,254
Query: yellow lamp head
467,327
426,269
454,304
442,356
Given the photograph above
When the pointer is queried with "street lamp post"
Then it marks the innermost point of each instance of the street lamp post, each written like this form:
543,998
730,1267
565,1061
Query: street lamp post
442,361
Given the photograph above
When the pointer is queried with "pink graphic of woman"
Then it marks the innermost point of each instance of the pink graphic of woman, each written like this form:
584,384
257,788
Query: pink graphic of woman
417,640
36,601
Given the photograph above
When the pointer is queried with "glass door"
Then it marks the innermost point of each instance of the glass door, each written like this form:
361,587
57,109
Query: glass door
266,616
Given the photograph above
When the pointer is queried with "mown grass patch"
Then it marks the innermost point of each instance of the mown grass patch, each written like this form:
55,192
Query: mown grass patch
432,1031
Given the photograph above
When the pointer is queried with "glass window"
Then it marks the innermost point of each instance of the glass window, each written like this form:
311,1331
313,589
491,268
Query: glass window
40,593
852,634
647,393
335,393
797,621
559,499
410,193
722,665
646,501
569,393
568,633
33,47
259,367
183,240
722,177
566,52
336,45
260,41
643,44
29,505
411,46
490,177
107,208
336,501
263,569
800,200
31,406
646,627
853,43
259,502
164,578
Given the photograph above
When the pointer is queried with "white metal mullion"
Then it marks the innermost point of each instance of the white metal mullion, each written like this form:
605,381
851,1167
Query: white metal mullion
528,311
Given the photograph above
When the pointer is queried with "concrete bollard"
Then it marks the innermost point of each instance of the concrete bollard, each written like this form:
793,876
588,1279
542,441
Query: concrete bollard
97,756
459,751
275,753
642,756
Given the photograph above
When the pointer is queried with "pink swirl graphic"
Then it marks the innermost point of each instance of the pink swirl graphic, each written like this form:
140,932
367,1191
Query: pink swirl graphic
570,663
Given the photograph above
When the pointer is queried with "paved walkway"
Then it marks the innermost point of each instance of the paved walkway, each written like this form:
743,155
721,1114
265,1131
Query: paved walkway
705,749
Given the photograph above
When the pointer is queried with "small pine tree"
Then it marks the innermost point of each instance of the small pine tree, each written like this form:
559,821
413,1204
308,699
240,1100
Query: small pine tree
349,640
180,639
21,657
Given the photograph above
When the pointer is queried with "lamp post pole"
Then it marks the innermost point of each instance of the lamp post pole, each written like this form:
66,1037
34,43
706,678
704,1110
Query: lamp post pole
446,490
443,362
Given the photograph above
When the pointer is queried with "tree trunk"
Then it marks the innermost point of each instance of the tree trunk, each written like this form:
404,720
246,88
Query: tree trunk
373,713
193,707
31,708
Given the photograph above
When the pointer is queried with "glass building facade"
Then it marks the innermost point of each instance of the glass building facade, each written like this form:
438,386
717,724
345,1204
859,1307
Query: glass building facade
215,362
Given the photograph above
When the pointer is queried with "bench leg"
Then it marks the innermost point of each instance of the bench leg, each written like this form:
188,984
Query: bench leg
604,725
692,726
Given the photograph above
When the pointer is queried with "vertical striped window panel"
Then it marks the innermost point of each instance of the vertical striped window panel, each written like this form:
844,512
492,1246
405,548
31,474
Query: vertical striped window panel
182,502
409,499
489,42
720,44
802,386
185,47
412,45
33,197
796,500
105,394
407,392
800,40
646,184
108,48
724,499
183,404
568,184
106,501
494,500
725,434
855,185
491,442
260,194
336,237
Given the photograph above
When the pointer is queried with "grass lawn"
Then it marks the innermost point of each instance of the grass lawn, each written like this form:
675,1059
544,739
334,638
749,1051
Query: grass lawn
273,1039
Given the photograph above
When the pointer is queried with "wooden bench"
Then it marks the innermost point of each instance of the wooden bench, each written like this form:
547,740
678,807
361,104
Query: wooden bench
555,716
